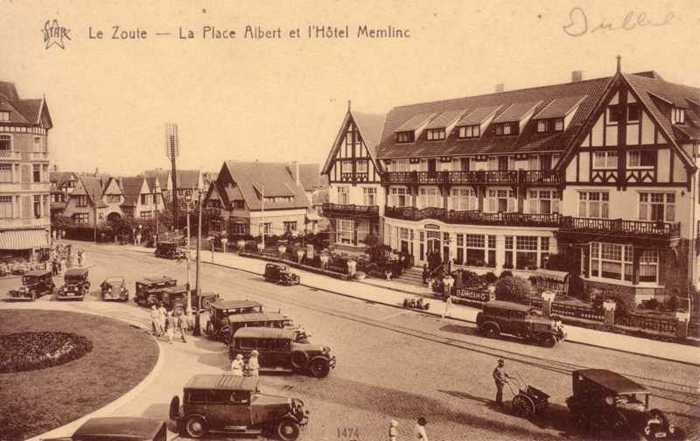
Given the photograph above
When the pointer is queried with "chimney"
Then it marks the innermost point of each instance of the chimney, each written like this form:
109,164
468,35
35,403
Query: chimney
295,171
576,76
499,88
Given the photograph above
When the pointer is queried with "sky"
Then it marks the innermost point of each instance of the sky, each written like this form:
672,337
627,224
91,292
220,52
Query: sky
283,99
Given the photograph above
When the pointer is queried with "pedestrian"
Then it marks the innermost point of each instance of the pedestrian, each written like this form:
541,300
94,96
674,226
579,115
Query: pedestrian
253,365
80,257
421,434
155,321
237,366
393,430
500,376
448,305
162,316
447,282
180,323
169,327
426,273
54,267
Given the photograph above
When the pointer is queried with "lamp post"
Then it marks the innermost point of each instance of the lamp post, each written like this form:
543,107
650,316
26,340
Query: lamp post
197,329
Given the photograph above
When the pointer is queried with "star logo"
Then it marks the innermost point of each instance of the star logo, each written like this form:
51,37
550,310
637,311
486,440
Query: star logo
55,34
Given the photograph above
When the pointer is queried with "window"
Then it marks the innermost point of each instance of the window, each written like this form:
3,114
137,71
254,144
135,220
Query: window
429,197
462,199
345,231
5,144
346,166
239,228
558,125
5,172
81,218
501,201
541,126
593,204
611,261
4,116
526,252
266,227
369,196
143,199
505,129
469,131
113,198
343,195
290,226
146,214
543,201
37,144
550,125
677,115
399,165
634,112
361,166
403,137
398,197
641,159
435,134
6,207
657,207
479,250
82,201
36,173
649,266
605,160
238,203
613,115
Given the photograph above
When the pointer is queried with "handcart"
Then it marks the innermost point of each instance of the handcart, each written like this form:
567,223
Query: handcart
528,401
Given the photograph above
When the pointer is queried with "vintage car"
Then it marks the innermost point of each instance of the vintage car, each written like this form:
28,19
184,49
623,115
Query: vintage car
175,298
218,326
234,405
500,317
34,284
170,249
149,290
278,273
605,401
280,350
119,429
114,288
256,319
76,285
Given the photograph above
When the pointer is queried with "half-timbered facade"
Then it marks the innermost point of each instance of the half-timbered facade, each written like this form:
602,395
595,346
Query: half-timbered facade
354,176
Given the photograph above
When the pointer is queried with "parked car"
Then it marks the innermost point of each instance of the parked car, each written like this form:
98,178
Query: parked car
279,350
76,285
605,401
170,249
114,288
500,317
149,290
218,326
256,319
235,406
34,284
175,298
279,273
119,429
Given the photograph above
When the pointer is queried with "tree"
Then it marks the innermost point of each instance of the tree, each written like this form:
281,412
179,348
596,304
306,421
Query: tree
513,288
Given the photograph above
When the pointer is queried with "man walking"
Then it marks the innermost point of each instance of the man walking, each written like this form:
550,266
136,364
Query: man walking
500,376
448,305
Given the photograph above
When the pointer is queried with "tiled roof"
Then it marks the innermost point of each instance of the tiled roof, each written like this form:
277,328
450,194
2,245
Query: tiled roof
309,176
29,108
370,126
152,180
25,111
415,121
188,179
61,178
8,90
160,174
273,179
516,112
479,107
131,187
559,107
94,188
445,119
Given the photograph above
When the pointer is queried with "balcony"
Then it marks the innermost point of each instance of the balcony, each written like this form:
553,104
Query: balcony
474,217
486,177
619,230
351,210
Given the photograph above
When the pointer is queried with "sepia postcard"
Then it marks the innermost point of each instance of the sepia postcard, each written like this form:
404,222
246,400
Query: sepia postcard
349,220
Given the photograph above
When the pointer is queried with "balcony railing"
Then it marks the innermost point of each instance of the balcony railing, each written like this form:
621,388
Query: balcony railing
473,217
352,210
484,177
620,227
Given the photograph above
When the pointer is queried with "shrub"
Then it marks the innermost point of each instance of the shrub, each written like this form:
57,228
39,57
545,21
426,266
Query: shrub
513,288
671,303
504,288
505,274
489,278
651,304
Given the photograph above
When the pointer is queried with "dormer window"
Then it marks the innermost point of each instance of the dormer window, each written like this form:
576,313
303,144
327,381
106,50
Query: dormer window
678,115
505,129
4,116
404,137
550,125
435,134
473,131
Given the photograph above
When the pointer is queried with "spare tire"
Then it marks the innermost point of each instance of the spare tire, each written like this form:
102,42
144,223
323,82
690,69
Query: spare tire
175,408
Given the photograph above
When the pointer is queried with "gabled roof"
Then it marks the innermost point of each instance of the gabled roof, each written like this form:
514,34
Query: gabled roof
445,119
309,176
272,179
152,181
559,107
8,90
370,126
61,178
508,106
94,188
415,122
131,187
22,111
188,179
162,175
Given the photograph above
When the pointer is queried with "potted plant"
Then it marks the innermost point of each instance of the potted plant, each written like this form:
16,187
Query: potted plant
282,249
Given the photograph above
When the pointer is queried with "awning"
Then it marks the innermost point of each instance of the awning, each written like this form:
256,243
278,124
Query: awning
558,276
24,239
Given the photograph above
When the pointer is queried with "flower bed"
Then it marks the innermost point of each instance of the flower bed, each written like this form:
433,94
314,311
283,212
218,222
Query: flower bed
27,351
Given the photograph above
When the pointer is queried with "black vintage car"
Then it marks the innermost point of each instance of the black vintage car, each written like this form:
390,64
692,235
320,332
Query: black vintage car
114,288
170,249
234,406
281,350
278,273
119,429
76,285
149,290
613,406
174,298
500,317
34,284
218,327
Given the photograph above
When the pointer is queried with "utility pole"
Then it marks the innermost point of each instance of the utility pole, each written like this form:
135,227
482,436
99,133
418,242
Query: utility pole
172,150
262,213
197,329
187,254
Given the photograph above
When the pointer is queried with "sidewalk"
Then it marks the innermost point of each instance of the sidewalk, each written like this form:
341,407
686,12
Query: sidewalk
392,294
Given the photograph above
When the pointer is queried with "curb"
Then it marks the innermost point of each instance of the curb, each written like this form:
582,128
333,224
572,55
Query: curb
109,407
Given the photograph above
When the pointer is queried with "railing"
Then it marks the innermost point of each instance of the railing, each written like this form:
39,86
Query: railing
482,177
657,324
567,310
356,177
473,217
617,227
350,210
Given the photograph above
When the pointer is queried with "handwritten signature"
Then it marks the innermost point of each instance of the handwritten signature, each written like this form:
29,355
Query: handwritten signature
580,25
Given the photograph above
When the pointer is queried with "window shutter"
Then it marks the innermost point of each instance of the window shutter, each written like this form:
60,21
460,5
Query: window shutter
670,213
511,205
26,174
492,164
582,209
492,205
643,211
532,163
26,207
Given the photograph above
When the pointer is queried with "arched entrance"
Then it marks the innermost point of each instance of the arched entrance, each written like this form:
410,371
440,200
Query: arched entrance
114,217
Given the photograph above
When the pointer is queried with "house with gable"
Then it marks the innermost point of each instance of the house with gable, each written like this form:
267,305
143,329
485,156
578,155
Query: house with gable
142,197
94,200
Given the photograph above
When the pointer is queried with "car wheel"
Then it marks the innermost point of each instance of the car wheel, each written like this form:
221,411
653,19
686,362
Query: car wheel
319,368
287,430
299,360
196,426
549,341
491,330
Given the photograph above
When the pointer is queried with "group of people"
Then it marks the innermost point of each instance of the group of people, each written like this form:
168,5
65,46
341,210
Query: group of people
166,323
62,258
419,430
240,367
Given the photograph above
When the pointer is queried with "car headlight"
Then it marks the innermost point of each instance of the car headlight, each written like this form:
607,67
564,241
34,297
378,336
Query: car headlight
671,429
326,349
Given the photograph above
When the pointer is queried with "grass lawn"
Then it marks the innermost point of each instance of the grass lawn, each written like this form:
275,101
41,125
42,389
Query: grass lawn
35,402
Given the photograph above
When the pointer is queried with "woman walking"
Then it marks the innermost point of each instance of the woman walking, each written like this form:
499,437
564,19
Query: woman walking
253,366
237,366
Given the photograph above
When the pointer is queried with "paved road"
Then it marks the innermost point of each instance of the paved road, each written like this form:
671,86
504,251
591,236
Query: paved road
391,363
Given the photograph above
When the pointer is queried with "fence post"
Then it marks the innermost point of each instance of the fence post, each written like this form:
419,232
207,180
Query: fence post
547,299
683,319
609,313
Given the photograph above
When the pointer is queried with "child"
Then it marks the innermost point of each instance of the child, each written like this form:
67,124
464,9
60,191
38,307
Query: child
393,431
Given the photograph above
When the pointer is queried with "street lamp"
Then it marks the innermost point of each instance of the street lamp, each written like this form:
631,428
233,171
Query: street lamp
197,329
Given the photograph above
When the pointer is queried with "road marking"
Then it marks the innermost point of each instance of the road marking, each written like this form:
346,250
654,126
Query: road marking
396,314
